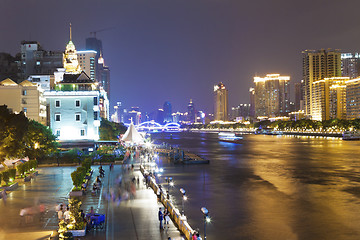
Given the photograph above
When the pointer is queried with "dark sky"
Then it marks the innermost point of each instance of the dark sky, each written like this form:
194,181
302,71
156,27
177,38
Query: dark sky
174,50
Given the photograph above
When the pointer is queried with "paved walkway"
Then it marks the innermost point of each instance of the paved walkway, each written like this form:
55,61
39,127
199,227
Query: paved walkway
132,219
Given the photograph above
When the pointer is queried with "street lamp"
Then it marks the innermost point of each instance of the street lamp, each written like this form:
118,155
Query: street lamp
184,198
207,219
170,182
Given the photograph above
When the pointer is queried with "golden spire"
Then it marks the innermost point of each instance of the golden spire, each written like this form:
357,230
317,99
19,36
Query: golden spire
70,31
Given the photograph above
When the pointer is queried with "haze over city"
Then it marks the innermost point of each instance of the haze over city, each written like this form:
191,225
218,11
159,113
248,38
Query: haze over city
177,50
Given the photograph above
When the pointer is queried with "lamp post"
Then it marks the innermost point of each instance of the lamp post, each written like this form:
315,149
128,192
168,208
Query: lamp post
206,219
184,198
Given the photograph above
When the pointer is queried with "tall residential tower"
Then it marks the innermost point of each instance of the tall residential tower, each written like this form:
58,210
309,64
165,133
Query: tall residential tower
220,102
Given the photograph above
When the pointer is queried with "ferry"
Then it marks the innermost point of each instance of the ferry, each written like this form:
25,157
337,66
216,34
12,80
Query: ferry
354,135
230,137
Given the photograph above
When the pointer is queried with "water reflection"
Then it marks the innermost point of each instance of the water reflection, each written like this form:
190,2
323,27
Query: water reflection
272,187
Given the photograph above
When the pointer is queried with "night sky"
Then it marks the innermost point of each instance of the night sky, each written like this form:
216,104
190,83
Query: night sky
176,50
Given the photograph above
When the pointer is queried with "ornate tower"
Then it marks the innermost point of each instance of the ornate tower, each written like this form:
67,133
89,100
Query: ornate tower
70,59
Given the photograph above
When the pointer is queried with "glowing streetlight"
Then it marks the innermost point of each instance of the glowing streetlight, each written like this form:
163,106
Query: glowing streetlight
184,198
207,219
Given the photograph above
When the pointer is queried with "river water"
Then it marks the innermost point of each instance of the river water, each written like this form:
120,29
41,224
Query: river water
269,187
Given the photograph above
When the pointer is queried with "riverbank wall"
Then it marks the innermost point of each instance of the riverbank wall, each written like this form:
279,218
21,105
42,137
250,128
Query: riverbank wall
175,214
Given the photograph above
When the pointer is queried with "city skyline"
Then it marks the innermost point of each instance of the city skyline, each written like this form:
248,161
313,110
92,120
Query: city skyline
152,49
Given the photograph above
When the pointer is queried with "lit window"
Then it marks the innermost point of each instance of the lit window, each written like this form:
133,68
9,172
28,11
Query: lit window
25,110
57,117
24,93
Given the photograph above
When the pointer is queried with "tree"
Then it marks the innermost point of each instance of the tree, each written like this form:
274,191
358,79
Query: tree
39,141
13,128
111,130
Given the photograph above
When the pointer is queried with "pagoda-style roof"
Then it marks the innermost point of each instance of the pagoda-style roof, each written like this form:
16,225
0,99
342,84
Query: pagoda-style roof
8,82
80,78
27,83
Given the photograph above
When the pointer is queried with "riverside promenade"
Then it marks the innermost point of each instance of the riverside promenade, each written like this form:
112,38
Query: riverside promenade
130,219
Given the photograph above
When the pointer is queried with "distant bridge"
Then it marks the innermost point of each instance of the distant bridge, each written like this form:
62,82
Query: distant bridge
152,126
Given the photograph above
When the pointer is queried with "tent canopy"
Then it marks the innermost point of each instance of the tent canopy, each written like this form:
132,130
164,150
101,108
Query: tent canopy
132,135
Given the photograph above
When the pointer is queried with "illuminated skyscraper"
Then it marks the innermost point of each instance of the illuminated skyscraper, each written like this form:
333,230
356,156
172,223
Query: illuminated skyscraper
220,102
350,65
352,99
272,95
167,112
328,98
318,65
191,114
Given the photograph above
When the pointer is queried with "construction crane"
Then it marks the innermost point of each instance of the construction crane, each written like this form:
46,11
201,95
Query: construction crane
101,30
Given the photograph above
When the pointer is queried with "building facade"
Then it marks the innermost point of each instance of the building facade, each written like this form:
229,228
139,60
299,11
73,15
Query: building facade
220,102
353,99
26,97
328,98
74,108
272,95
35,60
87,62
350,65
318,65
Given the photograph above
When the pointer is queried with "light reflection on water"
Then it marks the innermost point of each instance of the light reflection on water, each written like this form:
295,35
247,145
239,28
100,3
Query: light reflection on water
272,187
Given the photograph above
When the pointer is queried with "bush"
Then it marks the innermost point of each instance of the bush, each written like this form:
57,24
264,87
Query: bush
76,178
12,173
26,166
21,169
32,164
6,176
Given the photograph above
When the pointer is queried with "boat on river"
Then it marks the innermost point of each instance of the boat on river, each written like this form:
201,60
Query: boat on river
351,135
230,137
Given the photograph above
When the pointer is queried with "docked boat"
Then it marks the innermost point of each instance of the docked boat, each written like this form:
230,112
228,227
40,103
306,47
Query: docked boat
351,135
230,137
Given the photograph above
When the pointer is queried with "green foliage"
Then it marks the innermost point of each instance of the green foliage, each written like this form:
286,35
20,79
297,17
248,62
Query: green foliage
33,164
13,128
21,137
75,205
21,169
76,178
6,176
111,130
12,173
26,166
86,164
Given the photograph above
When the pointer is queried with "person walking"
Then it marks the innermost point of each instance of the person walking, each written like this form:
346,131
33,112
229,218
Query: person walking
161,218
67,215
167,219
60,214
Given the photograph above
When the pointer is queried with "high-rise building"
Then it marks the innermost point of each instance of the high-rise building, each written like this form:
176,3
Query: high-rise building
350,65
191,113
272,95
102,72
103,76
252,102
220,102
167,112
352,99
318,65
87,62
240,112
299,96
328,98
35,60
